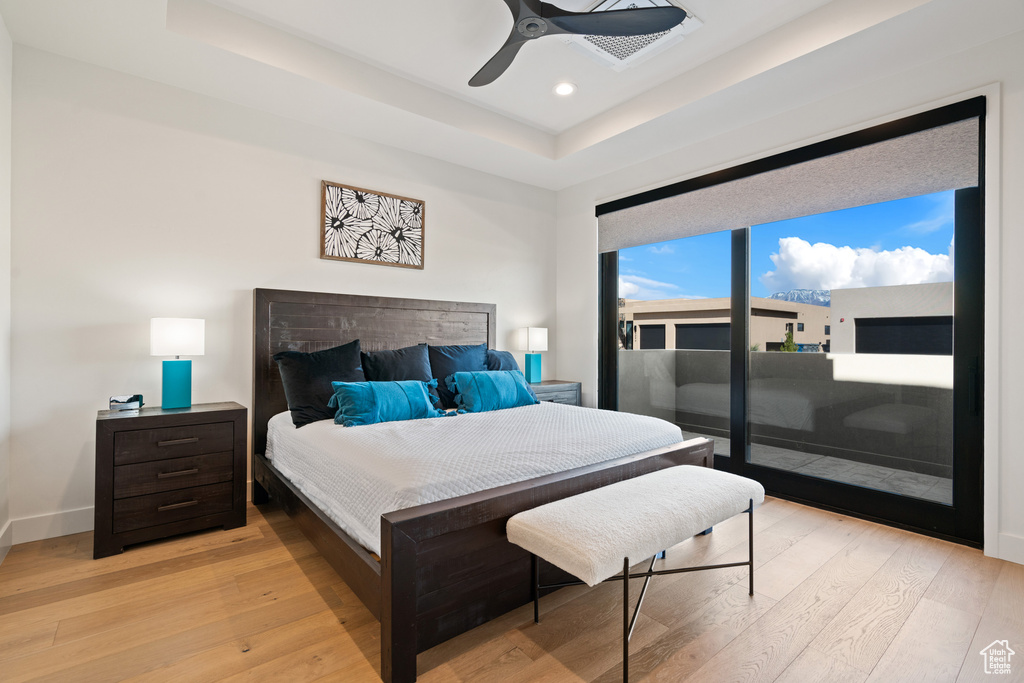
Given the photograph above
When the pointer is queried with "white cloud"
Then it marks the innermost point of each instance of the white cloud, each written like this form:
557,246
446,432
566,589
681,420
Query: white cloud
627,290
923,227
637,287
941,216
802,265
664,249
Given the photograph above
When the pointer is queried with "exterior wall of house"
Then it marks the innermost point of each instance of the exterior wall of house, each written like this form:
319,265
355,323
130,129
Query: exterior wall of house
769,320
904,301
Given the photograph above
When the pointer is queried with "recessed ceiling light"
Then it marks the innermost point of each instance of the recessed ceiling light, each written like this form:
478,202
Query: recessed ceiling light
565,89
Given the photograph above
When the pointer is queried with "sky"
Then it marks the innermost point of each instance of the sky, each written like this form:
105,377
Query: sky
907,241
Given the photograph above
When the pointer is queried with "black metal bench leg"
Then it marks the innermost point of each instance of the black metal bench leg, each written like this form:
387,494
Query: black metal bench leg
750,535
625,620
535,566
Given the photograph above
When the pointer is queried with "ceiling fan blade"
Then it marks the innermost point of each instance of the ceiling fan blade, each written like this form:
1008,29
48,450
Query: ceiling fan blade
521,8
501,60
621,22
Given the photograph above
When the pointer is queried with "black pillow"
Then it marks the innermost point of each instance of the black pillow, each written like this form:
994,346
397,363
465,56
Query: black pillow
447,360
501,360
411,362
307,379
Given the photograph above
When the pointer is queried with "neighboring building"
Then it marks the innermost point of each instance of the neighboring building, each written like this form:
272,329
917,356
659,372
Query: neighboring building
704,324
900,319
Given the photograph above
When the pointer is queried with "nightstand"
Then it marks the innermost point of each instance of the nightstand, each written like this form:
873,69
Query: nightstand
164,472
558,391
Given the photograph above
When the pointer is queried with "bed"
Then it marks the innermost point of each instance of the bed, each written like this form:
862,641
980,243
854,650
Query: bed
445,566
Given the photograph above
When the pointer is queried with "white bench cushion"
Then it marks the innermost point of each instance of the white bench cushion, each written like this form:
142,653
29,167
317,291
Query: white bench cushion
589,534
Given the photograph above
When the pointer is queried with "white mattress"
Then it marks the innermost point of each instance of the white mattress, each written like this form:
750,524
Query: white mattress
356,474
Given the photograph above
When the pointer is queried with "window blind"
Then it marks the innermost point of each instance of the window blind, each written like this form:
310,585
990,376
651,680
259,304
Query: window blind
944,157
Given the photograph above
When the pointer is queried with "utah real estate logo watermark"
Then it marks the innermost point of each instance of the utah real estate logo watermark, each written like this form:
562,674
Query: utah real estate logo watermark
997,657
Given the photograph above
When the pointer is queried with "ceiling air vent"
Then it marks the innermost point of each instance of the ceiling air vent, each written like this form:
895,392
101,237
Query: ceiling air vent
620,52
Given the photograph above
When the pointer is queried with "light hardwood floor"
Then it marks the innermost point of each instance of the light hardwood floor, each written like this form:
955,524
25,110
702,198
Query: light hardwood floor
836,599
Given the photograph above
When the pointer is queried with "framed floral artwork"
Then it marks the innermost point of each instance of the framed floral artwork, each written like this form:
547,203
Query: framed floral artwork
370,227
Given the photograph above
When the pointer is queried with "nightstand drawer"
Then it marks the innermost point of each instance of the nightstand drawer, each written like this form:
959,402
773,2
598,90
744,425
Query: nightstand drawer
144,445
568,397
169,475
558,391
171,506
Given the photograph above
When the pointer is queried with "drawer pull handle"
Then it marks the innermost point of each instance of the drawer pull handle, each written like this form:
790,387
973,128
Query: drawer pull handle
181,473
175,506
177,442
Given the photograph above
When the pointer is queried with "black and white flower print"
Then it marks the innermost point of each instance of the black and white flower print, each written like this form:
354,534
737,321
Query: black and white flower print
412,214
360,203
393,218
377,245
342,230
363,225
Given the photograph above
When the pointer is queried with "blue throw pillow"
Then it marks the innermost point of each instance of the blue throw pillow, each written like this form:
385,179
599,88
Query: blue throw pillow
447,360
491,390
307,378
367,403
504,360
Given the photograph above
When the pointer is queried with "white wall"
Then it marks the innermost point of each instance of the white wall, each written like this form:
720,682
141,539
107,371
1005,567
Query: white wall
6,68
134,200
754,121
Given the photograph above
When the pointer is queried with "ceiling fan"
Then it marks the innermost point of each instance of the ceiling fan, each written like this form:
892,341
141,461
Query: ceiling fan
535,18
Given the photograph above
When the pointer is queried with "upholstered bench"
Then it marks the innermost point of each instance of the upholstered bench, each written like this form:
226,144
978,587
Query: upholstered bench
592,535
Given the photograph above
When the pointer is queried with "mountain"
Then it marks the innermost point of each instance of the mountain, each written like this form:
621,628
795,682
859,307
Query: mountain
816,297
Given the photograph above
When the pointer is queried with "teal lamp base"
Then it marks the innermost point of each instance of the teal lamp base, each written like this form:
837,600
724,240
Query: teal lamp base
533,368
177,385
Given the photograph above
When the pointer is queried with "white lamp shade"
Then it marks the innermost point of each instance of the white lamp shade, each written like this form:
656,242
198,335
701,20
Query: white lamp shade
533,339
177,336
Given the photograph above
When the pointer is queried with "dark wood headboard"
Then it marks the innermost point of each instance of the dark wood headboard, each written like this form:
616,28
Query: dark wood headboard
309,321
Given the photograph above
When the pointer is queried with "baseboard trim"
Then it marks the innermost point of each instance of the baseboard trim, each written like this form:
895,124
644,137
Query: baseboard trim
28,529
1011,548
6,539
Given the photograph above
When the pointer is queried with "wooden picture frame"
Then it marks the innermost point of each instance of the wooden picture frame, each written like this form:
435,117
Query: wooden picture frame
366,226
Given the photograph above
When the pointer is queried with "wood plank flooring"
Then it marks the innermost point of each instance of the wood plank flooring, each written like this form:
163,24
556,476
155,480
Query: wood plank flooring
836,599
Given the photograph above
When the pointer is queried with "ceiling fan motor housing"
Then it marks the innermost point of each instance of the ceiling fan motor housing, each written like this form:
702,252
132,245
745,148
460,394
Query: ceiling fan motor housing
532,27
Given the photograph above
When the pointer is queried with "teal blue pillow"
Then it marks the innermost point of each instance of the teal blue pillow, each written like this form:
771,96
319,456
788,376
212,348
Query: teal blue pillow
477,392
367,403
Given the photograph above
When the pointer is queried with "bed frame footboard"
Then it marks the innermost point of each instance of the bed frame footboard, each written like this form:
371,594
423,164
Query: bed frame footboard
448,567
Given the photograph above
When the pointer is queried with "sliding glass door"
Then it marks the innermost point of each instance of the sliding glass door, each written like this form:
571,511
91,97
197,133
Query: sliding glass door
881,416
835,357
851,353
681,290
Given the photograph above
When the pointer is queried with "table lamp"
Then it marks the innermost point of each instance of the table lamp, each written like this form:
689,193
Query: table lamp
531,340
177,337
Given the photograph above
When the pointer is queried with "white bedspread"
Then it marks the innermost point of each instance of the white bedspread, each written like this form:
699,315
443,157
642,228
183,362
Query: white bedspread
356,474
